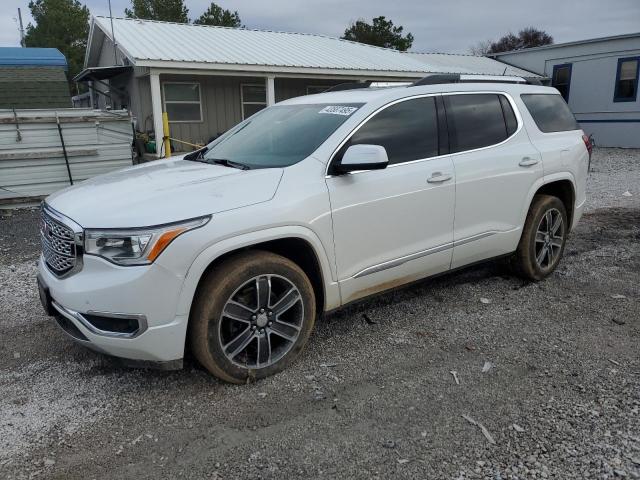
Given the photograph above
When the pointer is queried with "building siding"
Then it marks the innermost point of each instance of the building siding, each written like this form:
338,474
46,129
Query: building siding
592,87
221,103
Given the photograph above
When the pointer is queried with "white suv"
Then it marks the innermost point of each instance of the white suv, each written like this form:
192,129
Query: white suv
318,201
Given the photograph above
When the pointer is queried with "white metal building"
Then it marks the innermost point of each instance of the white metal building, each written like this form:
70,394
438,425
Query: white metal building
209,78
599,80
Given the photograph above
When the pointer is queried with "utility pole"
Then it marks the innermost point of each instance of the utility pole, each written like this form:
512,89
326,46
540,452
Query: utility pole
21,28
113,37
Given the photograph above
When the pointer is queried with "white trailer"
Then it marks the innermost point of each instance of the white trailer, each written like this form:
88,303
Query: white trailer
42,151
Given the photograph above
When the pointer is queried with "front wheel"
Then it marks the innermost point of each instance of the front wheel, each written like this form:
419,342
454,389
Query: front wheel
543,238
252,316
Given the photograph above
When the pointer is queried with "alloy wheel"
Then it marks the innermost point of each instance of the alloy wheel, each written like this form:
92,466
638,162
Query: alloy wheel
261,321
549,238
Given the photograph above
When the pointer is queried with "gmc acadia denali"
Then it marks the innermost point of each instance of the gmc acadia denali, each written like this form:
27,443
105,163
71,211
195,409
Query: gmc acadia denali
234,250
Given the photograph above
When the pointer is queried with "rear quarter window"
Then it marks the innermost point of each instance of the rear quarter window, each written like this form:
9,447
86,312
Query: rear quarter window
550,112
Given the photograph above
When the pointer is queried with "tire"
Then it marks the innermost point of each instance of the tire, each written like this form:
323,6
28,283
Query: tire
530,260
259,334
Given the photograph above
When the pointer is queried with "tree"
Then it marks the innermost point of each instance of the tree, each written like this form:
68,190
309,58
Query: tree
61,24
164,10
526,38
382,33
218,16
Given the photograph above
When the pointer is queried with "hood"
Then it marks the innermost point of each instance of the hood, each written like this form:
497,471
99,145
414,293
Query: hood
163,191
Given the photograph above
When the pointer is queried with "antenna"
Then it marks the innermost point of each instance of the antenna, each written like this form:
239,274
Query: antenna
113,36
21,28
505,70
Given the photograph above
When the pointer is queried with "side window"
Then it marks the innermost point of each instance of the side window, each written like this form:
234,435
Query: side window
474,120
550,112
561,79
627,80
182,101
407,130
509,116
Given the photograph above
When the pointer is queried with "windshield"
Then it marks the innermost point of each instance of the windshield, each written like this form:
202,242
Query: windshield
278,136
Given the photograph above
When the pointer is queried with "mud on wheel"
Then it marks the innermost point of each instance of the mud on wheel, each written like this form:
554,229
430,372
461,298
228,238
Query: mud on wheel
543,238
252,316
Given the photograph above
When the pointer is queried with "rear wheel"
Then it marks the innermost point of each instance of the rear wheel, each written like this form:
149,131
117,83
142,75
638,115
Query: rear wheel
543,238
252,316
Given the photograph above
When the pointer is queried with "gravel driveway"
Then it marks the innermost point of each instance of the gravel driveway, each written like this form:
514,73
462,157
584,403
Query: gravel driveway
549,377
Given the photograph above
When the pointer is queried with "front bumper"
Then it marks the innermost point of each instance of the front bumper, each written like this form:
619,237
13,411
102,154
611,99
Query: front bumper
148,294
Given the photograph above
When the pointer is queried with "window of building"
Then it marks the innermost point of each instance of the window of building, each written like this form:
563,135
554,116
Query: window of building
312,89
550,112
475,121
253,98
182,101
627,80
407,130
561,79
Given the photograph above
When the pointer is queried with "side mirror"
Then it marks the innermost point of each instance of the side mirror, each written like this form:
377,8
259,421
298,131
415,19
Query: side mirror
363,157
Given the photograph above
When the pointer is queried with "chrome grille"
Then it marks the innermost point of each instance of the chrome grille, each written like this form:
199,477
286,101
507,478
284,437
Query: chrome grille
58,245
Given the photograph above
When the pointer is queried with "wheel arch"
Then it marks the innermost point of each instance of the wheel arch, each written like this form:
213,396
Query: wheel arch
561,185
298,244
564,189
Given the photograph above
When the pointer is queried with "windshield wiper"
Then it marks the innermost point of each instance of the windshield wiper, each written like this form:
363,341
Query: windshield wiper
197,156
228,163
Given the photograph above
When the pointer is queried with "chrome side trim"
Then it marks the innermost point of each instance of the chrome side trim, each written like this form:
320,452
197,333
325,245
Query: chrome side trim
473,238
73,315
399,261
413,256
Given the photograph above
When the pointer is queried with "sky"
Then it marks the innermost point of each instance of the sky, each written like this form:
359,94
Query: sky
437,25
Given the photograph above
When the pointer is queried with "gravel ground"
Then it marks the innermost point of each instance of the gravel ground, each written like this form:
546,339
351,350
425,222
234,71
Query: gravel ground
549,377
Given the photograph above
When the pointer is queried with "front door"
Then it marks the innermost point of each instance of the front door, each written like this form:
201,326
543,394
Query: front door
395,225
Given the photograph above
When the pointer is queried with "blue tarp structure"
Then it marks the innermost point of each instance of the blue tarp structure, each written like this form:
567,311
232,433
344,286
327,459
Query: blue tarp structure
32,57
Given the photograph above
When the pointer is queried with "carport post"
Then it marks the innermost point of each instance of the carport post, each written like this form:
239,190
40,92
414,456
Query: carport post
271,90
156,109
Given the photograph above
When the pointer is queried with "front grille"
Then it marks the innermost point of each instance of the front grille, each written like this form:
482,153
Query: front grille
58,245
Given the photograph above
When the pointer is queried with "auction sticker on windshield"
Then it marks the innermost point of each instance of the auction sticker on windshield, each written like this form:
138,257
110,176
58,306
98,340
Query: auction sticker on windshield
338,110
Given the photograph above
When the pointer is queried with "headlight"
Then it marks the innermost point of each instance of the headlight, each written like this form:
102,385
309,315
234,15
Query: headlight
136,246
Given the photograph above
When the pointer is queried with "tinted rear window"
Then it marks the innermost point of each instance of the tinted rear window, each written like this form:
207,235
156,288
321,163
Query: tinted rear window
475,121
550,112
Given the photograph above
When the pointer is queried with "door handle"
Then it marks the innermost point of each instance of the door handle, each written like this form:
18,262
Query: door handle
439,177
528,162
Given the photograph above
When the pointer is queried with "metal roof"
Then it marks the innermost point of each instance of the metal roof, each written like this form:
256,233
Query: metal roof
570,44
145,42
467,64
46,57
175,45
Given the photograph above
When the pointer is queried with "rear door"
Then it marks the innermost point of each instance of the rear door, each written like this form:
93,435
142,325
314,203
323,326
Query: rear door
496,167
395,225
556,134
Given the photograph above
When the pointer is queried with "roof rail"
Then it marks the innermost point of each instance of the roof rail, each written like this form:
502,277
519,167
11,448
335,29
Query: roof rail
349,86
437,78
